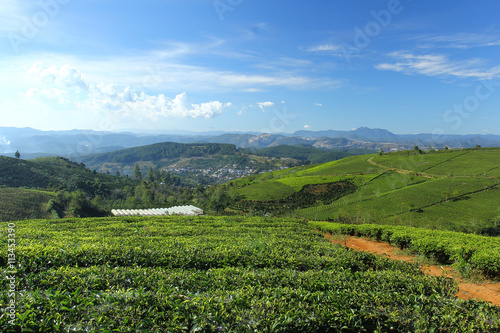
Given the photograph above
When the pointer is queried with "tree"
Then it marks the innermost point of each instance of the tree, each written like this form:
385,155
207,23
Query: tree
150,175
137,172
219,199
78,204
17,154
381,151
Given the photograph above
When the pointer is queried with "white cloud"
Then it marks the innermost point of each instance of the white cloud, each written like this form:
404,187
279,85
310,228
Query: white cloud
66,85
285,63
64,76
307,126
458,41
167,70
318,104
57,95
325,48
263,105
252,90
438,65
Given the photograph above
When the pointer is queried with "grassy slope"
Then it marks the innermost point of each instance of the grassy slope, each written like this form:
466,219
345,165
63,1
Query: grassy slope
16,204
265,191
426,196
356,165
483,162
455,190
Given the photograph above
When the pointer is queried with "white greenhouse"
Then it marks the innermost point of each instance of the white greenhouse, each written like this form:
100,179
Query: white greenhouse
177,210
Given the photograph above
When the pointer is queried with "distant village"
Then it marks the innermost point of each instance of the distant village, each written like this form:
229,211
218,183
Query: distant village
222,174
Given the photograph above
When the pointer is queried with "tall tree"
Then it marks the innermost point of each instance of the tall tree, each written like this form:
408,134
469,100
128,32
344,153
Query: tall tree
17,154
150,176
137,172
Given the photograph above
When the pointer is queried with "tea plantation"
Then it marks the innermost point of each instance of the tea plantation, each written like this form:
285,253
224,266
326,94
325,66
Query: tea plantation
454,190
19,204
216,274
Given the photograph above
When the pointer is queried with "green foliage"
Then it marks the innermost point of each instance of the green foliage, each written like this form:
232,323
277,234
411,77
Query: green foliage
466,251
220,274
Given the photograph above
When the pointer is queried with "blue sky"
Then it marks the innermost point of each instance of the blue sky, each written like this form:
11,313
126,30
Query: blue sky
251,65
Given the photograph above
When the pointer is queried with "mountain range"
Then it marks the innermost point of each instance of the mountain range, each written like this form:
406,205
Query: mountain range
76,143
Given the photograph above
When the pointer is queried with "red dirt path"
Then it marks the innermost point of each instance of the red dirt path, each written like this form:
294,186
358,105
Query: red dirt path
487,290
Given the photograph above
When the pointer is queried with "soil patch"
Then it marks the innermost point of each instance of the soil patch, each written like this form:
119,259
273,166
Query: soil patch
487,290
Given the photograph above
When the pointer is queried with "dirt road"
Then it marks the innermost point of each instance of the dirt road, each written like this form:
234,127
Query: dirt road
487,290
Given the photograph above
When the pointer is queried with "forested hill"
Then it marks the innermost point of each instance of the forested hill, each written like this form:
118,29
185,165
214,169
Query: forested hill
160,151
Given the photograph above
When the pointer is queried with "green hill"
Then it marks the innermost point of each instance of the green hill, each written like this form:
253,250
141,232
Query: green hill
27,189
19,204
56,173
451,189
160,151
